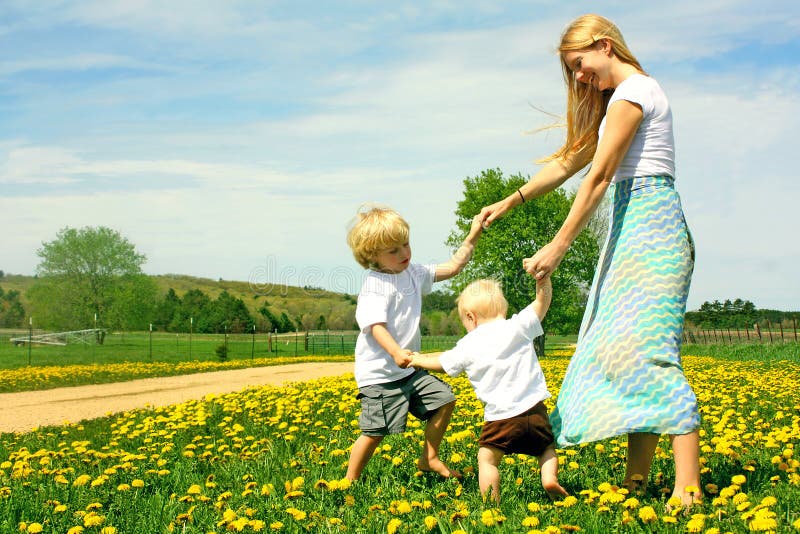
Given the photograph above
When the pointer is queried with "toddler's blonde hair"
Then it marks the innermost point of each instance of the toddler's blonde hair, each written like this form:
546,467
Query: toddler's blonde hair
373,229
484,298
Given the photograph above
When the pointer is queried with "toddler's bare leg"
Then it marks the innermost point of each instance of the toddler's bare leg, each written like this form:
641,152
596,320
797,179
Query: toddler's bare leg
548,464
488,472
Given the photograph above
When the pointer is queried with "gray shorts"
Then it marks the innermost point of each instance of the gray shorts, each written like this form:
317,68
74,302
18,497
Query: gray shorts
385,407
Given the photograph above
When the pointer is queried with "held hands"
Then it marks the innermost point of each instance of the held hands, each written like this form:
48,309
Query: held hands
545,261
403,358
491,213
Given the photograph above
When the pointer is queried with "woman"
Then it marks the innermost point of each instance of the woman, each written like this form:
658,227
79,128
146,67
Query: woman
626,376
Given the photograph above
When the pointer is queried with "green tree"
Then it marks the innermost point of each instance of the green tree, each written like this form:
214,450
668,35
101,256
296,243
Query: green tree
82,275
12,314
501,249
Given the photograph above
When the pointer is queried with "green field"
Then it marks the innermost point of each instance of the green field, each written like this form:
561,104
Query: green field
271,460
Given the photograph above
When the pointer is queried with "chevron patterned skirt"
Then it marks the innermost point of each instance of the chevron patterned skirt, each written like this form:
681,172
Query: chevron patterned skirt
626,374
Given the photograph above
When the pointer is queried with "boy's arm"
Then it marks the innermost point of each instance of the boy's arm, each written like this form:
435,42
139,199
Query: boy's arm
544,295
401,356
461,256
427,361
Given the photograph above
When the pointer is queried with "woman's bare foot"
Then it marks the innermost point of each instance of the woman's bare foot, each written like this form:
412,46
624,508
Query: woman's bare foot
684,500
435,465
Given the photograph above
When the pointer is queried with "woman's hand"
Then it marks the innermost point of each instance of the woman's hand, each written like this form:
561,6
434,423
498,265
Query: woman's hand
491,213
545,261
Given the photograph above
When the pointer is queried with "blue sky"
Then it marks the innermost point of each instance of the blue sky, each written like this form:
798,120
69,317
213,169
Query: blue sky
236,140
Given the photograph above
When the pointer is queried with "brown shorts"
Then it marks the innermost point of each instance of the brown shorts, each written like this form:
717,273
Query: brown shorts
527,433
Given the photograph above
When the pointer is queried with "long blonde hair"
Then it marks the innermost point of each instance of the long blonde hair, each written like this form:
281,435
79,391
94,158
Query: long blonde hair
586,106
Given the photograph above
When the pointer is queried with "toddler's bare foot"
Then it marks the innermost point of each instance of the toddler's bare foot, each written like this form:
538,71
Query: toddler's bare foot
554,490
435,465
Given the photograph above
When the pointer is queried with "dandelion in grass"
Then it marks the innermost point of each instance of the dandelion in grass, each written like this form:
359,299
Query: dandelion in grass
647,514
276,525
696,523
430,522
530,521
93,519
75,530
393,525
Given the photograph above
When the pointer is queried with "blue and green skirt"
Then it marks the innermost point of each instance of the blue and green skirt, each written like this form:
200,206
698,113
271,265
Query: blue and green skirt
626,374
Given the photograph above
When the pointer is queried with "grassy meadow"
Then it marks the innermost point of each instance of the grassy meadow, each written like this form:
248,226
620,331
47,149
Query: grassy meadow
272,459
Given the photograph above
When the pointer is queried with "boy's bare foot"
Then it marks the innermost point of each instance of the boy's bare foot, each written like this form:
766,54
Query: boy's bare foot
435,465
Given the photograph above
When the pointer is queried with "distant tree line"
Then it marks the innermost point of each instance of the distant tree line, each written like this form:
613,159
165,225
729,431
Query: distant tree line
737,313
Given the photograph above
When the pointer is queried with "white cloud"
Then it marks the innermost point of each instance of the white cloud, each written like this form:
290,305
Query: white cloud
240,157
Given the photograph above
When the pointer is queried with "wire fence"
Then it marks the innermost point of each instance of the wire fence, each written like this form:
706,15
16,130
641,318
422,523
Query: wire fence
734,335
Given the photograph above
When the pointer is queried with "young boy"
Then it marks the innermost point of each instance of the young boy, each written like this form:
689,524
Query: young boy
388,313
498,358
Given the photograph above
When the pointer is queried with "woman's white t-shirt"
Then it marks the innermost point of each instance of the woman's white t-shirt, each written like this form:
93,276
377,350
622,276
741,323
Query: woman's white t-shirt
652,152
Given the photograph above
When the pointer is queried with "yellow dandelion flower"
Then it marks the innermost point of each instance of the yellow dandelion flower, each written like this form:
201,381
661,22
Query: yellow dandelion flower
93,519
137,483
123,487
35,528
647,514
740,498
769,501
60,479
276,525
297,515
82,480
393,525
75,530
430,522
534,507
194,489
94,506
738,480
669,519
530,521
60,508
631,503
403,507
108,530
695,525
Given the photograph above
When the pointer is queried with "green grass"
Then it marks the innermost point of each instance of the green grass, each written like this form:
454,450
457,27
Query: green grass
265,458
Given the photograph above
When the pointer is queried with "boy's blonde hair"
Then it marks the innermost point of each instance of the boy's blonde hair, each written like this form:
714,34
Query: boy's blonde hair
586,106
484,298
375,228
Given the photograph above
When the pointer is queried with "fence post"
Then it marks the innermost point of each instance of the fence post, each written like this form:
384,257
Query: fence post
794,323
780,325
730,339
295,342
747,331
30,338
757,331
769,330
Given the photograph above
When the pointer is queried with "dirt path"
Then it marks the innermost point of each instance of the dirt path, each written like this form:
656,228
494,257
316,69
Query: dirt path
22,412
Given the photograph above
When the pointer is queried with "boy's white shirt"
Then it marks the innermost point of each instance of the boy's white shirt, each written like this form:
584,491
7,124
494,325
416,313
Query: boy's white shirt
394,299
499,360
